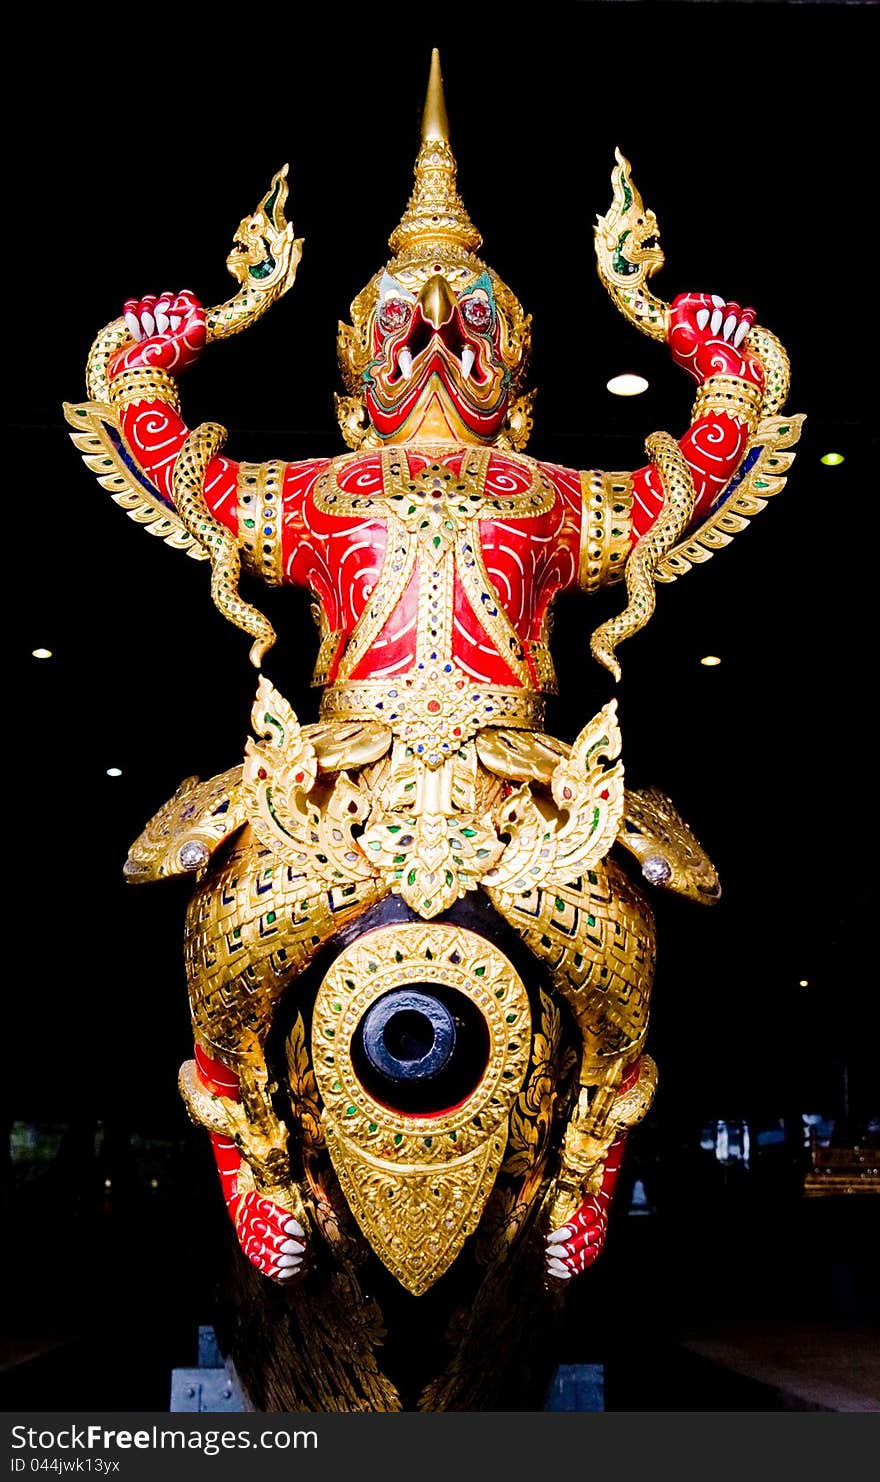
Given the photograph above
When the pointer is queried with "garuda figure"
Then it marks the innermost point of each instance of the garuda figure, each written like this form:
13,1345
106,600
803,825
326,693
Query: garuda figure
419,965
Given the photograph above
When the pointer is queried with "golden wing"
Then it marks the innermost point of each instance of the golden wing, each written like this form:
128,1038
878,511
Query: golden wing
761,474
98,439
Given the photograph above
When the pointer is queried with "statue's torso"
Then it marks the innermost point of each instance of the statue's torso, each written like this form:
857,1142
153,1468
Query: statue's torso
433,561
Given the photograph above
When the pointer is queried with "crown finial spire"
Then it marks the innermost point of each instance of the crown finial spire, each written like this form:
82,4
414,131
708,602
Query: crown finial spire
435,120
435,222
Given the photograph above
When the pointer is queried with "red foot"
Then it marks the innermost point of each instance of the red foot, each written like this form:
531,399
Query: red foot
578,1243
270,1237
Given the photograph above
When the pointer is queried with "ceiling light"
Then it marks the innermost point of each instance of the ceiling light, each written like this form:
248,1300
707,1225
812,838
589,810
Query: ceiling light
41,653
114,771
627,385
710,661
831,460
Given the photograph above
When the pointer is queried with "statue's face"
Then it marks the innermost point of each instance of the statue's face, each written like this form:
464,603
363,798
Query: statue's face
439,347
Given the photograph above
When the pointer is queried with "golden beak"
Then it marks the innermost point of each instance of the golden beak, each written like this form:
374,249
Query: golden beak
436,302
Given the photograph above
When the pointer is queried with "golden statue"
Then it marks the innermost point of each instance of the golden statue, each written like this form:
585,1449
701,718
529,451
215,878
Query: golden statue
419,964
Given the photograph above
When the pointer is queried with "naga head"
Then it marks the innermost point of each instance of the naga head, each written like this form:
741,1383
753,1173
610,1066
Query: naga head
264,254
437,345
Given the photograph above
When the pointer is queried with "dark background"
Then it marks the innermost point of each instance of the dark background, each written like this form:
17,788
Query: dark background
132,160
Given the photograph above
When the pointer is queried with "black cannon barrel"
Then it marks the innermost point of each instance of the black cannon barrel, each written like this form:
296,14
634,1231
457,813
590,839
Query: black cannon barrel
408,1035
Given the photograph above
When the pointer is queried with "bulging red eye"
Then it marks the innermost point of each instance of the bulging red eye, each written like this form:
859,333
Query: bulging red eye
477,313
394,313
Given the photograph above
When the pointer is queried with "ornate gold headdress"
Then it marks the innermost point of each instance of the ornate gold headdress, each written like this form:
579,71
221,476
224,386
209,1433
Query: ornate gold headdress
435,229
435,223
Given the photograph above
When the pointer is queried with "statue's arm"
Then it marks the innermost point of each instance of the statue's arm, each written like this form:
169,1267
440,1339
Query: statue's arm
706,337
168,334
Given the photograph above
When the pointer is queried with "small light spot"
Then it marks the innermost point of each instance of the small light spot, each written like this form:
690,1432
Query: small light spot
804,983
108,1183
114,771
41,653
831,460
710,661
627,385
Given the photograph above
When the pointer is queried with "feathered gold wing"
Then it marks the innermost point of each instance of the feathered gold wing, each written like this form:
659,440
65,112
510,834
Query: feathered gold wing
761,474
98,439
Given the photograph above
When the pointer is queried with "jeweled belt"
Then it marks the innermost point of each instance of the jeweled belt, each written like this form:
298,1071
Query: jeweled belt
433,713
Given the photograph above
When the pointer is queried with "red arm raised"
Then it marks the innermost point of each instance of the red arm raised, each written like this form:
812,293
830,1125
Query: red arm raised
705,336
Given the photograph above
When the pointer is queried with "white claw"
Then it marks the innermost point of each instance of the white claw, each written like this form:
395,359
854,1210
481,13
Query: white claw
148,323
558,1237
293,1227
556,1268
292,1247
741,333
718,302
162,321
729,326
289,1263
467,360
715,323
133,325
174,321
702,318
404,360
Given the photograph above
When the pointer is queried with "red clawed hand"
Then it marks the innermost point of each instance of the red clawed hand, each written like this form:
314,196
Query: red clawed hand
706,336
270,1237
168,333
575,1245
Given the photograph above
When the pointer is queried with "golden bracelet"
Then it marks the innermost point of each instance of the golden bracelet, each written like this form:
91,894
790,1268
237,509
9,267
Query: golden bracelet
259,519
731,394
142,383
606,528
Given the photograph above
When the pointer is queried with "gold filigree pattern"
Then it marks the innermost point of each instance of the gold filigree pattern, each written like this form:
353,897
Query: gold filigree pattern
530,1140
254,924
417,1184
279,771
441,708
596,935
587,788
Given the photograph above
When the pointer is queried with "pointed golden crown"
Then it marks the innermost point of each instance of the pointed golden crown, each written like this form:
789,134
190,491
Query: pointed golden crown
435,222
